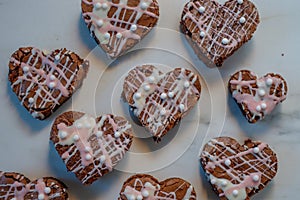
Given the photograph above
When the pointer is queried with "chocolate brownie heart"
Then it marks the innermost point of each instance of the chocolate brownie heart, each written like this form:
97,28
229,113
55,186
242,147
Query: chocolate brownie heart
257,97
238,171
90,147
144,186
216,31
42,82
161,100
119,25
15,186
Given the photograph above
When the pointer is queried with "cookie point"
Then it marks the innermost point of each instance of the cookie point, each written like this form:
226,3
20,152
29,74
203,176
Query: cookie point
258,108
163,96
201,9
225,41
242,20
41,197
235,193
170,94
47,190
98,5
145,193
144,6
255,178
57,57
30,100
202,34
102,158
261,92
133,28
119,35
255,150
99,23
25,69
117,134
227,162
269,82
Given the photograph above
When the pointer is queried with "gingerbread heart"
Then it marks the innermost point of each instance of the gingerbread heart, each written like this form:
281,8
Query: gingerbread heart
144,186
119,25
161,100
257,97
90,147
14,186
216,31
238,171
42,82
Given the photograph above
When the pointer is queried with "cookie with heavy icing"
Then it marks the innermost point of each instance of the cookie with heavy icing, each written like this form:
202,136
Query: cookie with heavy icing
257,97
235,171
44,81
15,186
144,186
90,147
216,31
160,100
118,25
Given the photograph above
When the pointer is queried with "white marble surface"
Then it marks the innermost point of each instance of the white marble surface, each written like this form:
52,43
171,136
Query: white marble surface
53,24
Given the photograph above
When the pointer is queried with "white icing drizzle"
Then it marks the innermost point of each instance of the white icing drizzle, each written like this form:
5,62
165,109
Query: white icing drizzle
103,150
154,192
50,80
252,169
260,102
113,24
10,191
155,108
216,23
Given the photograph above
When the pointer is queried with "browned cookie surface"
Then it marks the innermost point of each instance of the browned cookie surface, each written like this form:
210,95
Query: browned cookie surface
216,31
42,82
17,186
144,186
161,100
90,147
119,25
257,97
238,171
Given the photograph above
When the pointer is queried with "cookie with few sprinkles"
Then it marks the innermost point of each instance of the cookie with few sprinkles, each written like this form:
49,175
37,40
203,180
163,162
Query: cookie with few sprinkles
119,25
90,147
257,97
238,171
44,81
144,186
216,31
160,100
16,186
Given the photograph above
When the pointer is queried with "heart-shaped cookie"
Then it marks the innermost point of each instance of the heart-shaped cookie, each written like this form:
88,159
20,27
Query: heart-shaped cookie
90,147
42,82
161,100
144,186
119,25
257,97
236,172
15,186
216,31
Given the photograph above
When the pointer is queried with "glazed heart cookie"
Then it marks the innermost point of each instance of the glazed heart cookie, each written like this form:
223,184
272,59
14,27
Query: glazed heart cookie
216,31
15,186
42,82
119,25
144,186
237,172
257,97
161,100
90,147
